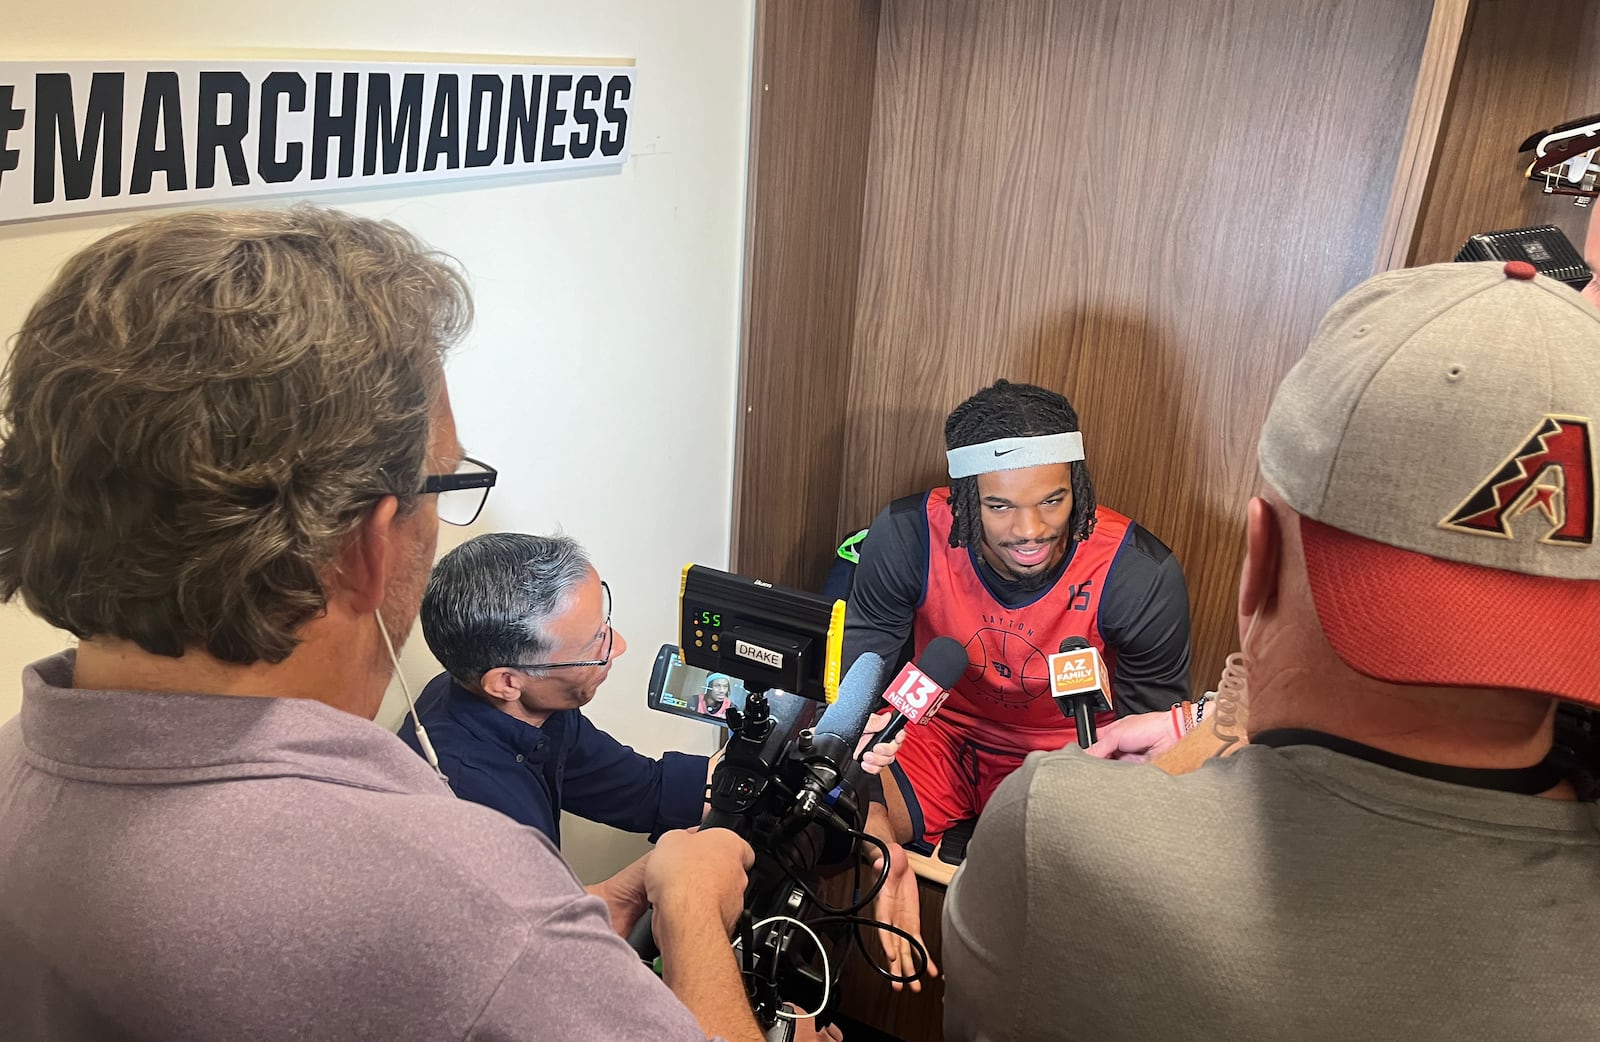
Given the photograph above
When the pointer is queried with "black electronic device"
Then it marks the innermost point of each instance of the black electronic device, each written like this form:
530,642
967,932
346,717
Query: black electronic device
771,637
689,691
793,796
794,800
685,690
1544,246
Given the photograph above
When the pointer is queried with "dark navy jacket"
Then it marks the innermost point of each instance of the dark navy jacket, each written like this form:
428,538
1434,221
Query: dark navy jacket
531,774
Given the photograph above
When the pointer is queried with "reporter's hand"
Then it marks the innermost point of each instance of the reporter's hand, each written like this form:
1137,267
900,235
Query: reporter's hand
881,754
1135,739
699,873
624,895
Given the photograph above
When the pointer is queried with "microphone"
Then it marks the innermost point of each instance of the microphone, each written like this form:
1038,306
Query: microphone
1077,683
919,690
839,728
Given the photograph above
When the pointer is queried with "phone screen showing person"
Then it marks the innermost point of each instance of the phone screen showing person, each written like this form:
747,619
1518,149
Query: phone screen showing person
689,691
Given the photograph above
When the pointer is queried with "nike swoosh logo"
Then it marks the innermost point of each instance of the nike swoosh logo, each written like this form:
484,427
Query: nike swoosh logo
999,452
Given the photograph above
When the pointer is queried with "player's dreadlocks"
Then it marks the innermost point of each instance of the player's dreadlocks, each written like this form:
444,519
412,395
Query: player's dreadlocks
1008,410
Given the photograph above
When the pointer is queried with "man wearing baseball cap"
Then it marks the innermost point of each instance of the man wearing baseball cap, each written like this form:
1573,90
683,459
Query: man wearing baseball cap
1395,853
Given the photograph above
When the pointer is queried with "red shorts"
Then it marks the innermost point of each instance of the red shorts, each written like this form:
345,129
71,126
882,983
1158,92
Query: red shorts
947,774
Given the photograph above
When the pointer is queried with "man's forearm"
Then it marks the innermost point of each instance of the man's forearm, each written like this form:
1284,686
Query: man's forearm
697,963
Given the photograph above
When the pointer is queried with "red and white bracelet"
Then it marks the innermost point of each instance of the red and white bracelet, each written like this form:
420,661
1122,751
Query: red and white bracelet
1182,718
1186,716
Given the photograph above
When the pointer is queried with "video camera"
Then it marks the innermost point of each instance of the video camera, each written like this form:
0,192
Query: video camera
795,798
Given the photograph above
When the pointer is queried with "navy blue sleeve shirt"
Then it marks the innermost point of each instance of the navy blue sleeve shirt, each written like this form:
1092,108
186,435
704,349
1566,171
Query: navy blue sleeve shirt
530,774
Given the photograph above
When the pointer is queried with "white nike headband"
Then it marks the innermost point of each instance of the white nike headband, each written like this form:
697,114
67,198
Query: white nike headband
1015,453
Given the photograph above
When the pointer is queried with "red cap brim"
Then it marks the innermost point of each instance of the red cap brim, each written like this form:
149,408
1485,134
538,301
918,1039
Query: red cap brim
1407,618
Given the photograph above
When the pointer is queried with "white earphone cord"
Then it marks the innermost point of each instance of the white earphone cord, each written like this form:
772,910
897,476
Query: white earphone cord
416,721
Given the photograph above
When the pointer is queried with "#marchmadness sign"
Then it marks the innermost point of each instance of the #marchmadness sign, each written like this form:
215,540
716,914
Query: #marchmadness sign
88,137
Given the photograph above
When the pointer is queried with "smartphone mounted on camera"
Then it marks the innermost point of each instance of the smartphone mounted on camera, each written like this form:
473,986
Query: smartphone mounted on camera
685,690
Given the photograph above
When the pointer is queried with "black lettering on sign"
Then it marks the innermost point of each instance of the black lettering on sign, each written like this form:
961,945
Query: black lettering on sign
390,126
327,124
11,119
55,126
444,130
211,134
617,91
554,116
522,119
486,92
162,112
290,85
588,95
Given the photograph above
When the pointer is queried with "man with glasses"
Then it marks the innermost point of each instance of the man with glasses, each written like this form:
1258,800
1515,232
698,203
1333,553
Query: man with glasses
228,447
522,626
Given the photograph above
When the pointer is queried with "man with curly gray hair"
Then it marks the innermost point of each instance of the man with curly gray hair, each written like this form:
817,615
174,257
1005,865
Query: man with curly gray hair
227,449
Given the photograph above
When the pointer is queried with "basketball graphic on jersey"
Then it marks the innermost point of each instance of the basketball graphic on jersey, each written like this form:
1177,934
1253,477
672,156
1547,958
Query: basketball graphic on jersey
1005,667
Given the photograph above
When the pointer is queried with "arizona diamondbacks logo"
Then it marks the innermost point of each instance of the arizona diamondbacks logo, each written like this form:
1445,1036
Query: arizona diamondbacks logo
1553,472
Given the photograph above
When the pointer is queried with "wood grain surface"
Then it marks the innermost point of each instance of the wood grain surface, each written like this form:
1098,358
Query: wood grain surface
1144,205
811,119
1524,67
1419,148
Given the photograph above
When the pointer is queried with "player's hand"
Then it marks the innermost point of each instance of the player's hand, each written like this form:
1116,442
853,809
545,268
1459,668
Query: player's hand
1135,739
899,903
881,754
624,895
698,873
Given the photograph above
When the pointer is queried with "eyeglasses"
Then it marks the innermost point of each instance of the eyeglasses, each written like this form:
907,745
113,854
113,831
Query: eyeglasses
462,494
605,654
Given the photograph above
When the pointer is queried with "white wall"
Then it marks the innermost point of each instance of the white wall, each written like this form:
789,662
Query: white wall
599,377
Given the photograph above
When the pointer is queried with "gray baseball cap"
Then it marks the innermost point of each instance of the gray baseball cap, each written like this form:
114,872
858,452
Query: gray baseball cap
1438,440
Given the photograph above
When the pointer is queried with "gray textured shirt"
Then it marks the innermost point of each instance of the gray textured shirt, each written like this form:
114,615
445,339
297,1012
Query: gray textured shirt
1277,894
208,867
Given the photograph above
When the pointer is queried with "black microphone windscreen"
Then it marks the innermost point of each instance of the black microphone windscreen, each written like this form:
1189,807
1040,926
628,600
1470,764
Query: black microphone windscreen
943,660
1072,644
858,694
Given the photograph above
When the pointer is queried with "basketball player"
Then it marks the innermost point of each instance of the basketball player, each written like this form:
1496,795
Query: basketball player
713,699
1011,559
